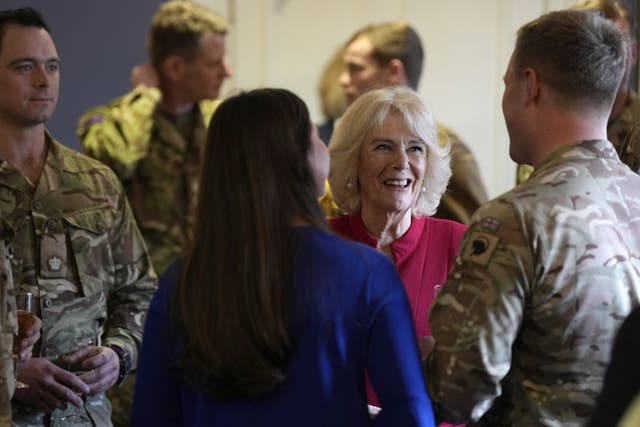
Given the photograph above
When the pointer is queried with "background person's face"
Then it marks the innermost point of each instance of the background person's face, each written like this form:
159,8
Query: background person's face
362,72
206,73
29,76
391,168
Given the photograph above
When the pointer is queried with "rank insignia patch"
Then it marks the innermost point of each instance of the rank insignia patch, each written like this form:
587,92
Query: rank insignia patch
55,263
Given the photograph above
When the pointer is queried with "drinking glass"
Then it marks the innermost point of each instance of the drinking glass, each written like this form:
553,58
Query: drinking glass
24,304
75,416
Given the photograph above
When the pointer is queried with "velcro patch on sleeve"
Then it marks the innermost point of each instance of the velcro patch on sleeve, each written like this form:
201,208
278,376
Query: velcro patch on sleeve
480,247
93,120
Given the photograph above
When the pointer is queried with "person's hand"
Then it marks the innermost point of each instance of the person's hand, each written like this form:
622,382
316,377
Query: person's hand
144,75
49,386
30,326
101,366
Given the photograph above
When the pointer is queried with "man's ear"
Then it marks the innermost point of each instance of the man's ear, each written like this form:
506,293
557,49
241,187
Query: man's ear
173,67
396,73
532,85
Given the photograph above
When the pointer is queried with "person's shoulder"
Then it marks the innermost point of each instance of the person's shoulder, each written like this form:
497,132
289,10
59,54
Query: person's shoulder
336,251
339,223
78,168
509,207
139,103
446,135
75,162
167,286
171,275
347,268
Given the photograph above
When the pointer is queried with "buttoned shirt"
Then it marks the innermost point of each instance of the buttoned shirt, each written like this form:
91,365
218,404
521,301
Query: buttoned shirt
76,247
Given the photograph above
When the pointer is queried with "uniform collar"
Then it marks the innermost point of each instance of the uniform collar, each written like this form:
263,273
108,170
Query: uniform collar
578,150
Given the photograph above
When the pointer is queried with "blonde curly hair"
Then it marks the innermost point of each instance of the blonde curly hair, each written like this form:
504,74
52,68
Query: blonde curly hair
367,115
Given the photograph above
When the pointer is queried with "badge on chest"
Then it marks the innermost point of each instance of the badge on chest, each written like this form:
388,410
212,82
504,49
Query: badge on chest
53,250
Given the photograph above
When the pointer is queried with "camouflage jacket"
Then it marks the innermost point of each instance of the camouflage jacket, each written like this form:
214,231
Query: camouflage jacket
624,134
8,329
158,167
465,192
76,247
547,272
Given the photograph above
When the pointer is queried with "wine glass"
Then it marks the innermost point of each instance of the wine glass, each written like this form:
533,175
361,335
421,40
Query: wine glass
24,304
74,415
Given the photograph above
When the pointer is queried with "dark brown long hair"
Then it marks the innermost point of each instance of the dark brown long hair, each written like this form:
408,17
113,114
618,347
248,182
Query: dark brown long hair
232,306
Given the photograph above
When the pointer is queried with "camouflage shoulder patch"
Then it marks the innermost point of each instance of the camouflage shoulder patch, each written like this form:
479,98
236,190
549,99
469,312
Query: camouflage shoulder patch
480,248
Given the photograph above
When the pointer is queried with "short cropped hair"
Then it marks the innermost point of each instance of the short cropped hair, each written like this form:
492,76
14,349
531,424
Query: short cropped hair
395,40
177,27
361,120
25,16
579,54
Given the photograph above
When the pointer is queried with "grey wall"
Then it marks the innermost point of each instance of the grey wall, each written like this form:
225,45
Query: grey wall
99,42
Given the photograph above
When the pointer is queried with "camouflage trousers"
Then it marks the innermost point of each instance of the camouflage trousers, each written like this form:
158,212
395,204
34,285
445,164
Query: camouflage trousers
121,398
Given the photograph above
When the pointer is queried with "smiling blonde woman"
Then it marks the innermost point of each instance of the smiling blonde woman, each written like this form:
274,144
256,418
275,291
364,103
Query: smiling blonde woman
388,174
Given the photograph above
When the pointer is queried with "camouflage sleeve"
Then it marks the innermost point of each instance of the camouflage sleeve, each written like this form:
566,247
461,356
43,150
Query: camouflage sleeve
476,317
8,327
465,192
135,284
118,134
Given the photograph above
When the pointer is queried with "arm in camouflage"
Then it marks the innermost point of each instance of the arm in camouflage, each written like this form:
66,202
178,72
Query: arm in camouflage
118,134
8,327
477,315
135,284
465,192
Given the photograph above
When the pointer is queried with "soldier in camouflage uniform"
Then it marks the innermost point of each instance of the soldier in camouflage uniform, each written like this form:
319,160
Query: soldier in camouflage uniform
9,328
625,113
153,138
390,54
547,272
72,242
